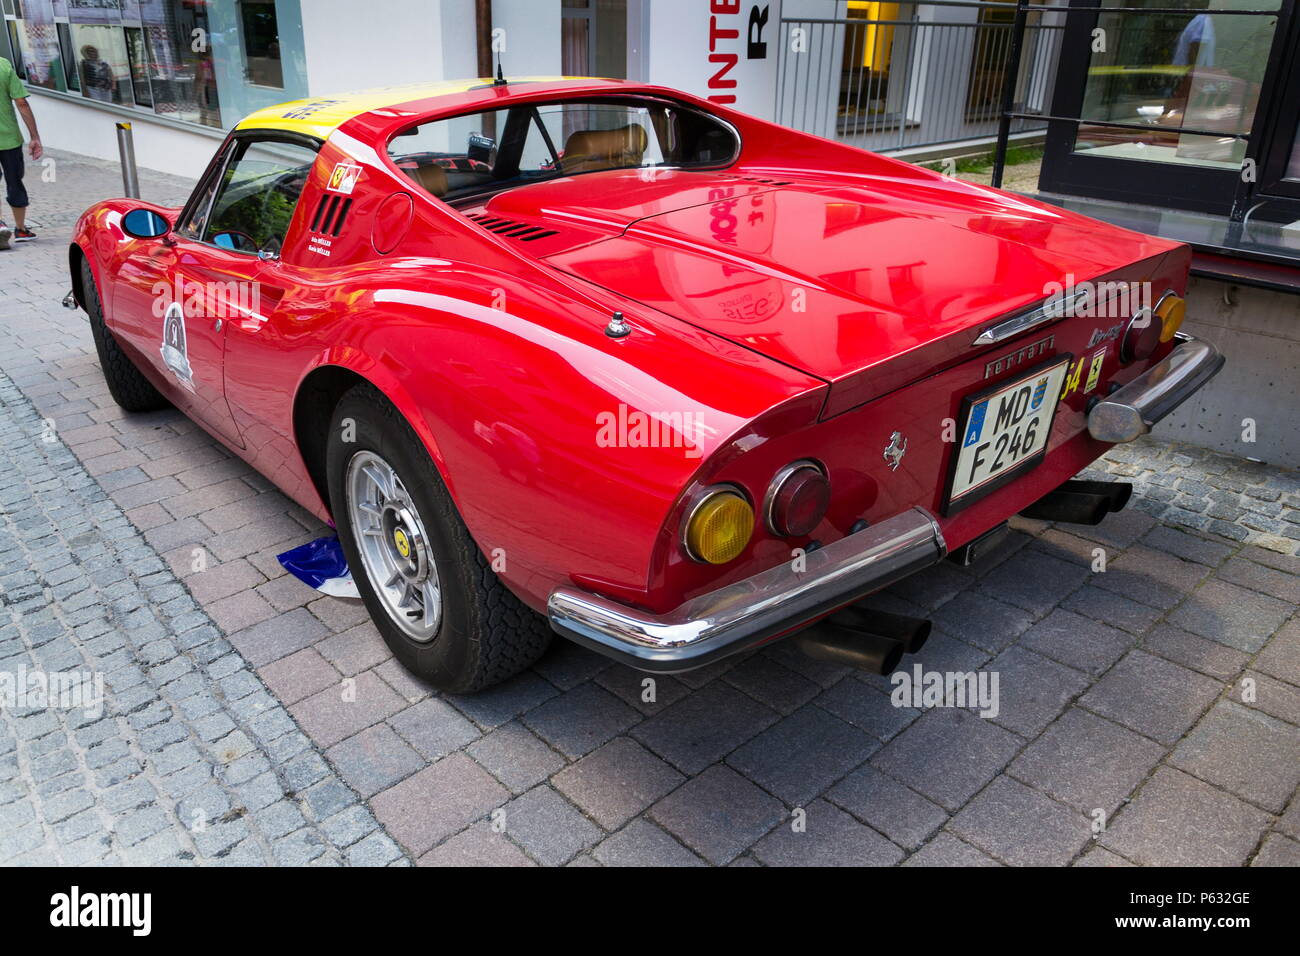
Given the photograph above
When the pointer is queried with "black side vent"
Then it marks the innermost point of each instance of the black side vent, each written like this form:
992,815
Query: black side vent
511,228
330,215
756,179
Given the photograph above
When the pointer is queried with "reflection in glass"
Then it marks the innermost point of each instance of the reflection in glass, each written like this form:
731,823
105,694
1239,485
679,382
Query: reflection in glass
1198,70
102,66
261,43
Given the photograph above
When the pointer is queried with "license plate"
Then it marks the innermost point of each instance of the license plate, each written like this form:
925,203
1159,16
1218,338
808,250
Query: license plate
1003,433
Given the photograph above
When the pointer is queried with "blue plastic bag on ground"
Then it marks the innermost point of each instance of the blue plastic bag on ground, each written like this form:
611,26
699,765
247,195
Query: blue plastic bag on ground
320,564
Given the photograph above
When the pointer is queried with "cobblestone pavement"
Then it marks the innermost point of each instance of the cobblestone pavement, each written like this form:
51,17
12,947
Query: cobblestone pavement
1161,695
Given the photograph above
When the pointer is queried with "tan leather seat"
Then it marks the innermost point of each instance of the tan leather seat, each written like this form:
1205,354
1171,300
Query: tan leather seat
431,178
591,149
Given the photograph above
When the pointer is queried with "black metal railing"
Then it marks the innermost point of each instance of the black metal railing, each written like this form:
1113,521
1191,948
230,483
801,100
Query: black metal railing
919,74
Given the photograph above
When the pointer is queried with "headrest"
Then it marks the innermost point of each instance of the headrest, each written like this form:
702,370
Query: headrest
431,178
592,149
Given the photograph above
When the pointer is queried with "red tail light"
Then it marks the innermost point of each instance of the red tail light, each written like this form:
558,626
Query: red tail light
797,500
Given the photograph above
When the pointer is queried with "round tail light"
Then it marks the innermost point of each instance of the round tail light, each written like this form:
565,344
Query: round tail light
797,500
1170,310
1140,337
718,527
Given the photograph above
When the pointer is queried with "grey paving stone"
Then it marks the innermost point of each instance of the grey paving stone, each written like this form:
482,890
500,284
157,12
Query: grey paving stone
1021,826
1189,546
648,693
1152,696
516,756
1032,690
947,850
1151,577
1209,657
1244,751
548,827
1277,850
864,706
1100,856
718,814
642,844
617,781
1283,585
1177,820
1113,609
442,799
279,636
982,620
1231,615
772,683
342,711
803,754
1281,656
1033,581
948,755
1273,697
434,728
1087,762
504,702
580,720
901,814
1078,641
479,845
703,728
826,836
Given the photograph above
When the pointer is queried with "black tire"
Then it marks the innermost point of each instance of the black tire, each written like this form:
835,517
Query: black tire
129,388
485,634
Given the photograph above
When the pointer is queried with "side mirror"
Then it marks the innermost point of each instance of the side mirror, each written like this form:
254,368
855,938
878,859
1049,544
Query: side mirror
145,224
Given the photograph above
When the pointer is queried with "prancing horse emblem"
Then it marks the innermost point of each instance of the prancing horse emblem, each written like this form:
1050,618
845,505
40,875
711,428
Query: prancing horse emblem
895,450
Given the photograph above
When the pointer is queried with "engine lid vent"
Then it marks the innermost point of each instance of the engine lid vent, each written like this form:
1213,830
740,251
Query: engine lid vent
510,227
755,179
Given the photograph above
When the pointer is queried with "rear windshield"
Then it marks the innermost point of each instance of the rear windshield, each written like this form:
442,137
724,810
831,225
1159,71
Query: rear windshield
497,149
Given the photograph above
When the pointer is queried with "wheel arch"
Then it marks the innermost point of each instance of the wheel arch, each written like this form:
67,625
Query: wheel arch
314,403
77,255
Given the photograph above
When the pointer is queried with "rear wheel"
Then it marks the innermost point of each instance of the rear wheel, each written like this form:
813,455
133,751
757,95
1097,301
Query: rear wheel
430,591
129,388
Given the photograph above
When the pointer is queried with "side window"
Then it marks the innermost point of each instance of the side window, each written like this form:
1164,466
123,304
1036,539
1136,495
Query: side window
191,224
257,195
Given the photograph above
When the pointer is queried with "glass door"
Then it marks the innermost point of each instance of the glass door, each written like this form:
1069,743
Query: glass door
1185,91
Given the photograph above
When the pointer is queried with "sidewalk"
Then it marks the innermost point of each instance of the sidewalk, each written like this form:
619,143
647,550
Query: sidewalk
1161,695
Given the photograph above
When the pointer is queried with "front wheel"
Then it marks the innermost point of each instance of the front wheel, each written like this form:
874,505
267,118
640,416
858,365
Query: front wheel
131,390
430,591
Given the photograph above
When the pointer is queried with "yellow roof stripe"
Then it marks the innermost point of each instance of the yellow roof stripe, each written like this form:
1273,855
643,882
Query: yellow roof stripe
321,115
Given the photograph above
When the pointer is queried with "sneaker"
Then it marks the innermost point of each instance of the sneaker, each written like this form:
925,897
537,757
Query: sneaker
5,235
24,235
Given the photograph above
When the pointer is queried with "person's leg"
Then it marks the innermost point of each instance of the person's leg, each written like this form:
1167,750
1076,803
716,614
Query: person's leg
11,162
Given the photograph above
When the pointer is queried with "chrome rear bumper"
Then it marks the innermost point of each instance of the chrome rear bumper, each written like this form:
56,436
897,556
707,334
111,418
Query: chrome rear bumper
753,611
1130,412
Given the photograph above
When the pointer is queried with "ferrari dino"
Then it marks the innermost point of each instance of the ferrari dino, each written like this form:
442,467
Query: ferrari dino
609,360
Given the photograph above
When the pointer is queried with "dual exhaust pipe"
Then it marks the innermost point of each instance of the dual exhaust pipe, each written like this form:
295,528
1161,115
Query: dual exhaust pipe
872,641
1081,502
875,641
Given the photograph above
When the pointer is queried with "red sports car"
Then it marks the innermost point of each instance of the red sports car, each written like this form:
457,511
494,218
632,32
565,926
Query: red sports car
606,359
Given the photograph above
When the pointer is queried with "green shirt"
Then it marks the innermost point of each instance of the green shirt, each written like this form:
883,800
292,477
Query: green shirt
11,88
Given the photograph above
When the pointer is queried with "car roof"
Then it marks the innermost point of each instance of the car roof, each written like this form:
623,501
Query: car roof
319,116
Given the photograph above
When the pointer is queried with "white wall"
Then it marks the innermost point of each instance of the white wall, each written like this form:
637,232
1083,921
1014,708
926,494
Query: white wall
679,52
93,132
354,46
532,36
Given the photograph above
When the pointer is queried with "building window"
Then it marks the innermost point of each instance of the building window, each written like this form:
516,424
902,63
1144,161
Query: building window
261,43
208,62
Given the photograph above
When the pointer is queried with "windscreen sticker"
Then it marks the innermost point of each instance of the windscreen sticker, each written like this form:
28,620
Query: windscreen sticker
344,178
